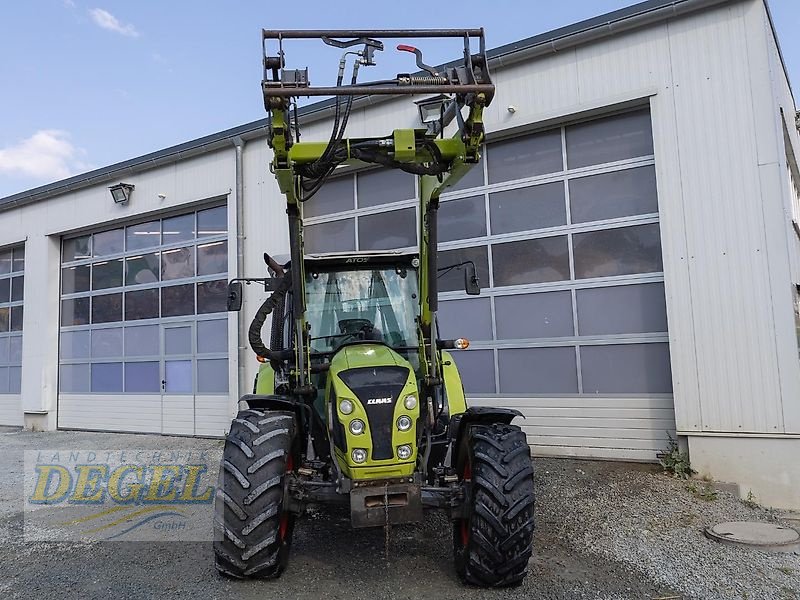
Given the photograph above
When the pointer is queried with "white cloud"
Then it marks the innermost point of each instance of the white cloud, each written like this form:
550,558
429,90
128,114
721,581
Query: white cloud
47,155
105,20
69,4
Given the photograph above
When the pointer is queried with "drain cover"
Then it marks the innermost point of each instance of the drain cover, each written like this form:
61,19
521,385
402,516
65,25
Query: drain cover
763,536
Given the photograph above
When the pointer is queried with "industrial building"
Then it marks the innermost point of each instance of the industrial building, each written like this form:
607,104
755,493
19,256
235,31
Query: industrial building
634,222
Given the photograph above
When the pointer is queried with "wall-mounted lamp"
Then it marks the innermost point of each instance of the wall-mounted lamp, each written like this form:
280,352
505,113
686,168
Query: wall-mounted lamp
121,192
436,112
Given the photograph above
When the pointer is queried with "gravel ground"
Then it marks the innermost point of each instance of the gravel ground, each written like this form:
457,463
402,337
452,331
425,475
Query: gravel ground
604,530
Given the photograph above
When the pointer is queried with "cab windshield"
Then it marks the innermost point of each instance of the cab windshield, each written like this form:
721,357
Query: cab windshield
362,305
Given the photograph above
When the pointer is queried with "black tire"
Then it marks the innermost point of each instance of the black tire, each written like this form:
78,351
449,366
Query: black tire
493,544
252,530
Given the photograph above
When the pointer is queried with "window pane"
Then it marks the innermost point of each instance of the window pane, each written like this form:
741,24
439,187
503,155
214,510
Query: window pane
19,259
212,296
533,207
3,350
5,262
212,376
477,370
75,279
531,261
5,290
107,308
107,343
177,300
335,196
538,371
106,377
74,344
470,318
212,221
75,311
17,288
620,251
141,341
144,235
5,318
4,380
15,350
108,242
177,229
454,280
610,139
177,263
144,268
74,379
76,248
527,156
384,231
16,318
178,340
473,178
212,258
626,369
613,195
14,380
462,219
622,309
528,316
212,336
107,274
141,304
178,376
336,236
142,377
383,186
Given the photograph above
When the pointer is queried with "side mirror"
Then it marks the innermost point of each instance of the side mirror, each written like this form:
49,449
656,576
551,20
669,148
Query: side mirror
471,283
235,294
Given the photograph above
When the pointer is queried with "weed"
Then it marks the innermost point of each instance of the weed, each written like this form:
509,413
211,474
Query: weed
675,462
750,501
704,491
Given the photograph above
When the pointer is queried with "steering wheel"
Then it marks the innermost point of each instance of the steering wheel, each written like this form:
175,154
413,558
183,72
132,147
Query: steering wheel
361,329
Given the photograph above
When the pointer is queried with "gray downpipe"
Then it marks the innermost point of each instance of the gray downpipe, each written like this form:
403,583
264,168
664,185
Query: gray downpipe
241,343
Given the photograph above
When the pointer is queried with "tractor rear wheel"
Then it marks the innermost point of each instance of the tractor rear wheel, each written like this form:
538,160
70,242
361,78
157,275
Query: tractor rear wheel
493,544
253,531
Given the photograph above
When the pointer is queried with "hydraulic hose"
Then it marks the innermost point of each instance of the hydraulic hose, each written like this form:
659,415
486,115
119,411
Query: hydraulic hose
270,304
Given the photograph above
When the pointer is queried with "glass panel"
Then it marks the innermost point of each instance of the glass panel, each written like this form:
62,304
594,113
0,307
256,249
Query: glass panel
107,343
106,377
141,304
178,340
538,371
531,261
177,229
382,186
107,274
5,318
620,251
15,349
462,219
336,236
3,350
75,279
5,290
212,296
527,156
142,377
610,139
177,300
212,258
533,207
5,262
473,178
454,280
144,268
177,263
107,308
335,196
613,195
477,370
384,231
529,316
626,369
3,380
76,248
212,221
212,376
212,336
74,379
144,235
14,380
141,341
16,318
74,344
622,309
19,259
108,242
470,318
178,376
17,288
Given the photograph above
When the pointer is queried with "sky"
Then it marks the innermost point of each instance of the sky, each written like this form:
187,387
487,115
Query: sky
90,83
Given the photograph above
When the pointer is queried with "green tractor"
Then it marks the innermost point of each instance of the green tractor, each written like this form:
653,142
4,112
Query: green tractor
358,399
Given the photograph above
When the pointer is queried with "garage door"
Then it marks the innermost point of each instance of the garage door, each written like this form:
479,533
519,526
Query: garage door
144,327
12,281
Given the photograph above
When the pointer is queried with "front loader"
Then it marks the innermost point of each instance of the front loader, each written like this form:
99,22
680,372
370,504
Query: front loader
358,399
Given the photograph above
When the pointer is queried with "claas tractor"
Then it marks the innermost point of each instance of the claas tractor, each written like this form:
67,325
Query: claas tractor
358,399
